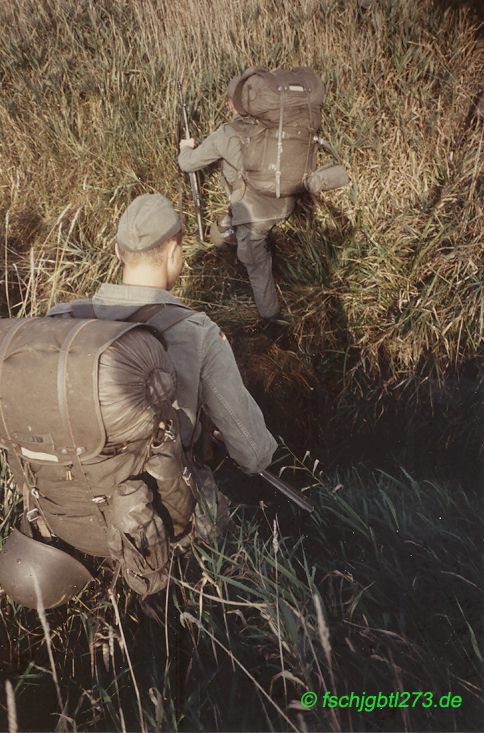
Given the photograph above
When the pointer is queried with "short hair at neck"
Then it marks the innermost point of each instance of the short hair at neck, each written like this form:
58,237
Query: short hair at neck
153,256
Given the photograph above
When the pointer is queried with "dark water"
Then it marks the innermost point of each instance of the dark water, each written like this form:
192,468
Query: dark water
435,430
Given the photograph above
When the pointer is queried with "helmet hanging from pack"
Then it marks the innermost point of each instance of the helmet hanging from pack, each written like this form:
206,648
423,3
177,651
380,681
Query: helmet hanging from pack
39,575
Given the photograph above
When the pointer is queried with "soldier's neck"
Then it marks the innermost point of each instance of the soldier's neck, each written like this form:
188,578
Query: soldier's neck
145,276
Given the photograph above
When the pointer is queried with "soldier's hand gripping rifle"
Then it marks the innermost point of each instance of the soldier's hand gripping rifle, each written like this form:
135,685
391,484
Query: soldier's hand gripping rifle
194,185
295,496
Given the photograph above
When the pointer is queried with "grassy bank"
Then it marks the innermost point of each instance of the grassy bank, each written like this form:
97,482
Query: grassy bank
381,282
386,273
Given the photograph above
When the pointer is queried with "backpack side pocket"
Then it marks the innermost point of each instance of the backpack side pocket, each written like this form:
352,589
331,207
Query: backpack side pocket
137,538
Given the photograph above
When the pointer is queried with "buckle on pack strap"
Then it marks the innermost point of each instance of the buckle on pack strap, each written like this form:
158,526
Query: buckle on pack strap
170,433
187,476
166,431
33,515
99,499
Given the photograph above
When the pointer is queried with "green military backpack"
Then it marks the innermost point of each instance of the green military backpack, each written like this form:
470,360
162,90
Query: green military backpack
281,113
87,418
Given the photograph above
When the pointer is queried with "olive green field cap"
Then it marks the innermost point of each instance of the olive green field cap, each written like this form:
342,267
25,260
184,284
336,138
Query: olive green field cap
148,221
29,568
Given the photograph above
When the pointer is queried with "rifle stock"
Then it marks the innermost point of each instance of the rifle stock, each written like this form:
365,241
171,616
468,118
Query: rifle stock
194,185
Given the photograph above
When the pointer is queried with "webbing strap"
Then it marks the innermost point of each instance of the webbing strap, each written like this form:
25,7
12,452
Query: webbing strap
170,317
170,313
310,139
83,309
62,395
3,351
20,474
279,144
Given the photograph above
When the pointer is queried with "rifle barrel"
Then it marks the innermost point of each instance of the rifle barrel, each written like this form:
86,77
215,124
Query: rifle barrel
278,483
194,185
288,491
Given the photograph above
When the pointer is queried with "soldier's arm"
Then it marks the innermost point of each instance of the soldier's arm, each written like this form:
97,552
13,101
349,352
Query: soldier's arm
211,149
230,406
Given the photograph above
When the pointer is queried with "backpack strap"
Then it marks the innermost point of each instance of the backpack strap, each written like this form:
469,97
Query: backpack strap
82,309
169,314
33,516
282,97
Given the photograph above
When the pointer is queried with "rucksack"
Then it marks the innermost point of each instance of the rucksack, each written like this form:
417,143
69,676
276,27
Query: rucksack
281,114
87,418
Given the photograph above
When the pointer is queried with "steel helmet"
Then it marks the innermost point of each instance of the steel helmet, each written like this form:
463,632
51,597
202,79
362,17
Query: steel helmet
59,576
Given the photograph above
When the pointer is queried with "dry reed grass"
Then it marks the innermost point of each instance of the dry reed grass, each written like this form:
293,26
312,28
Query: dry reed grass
388,271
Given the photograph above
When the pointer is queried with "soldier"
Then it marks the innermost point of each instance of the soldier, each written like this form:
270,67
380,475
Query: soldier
149,245
252,215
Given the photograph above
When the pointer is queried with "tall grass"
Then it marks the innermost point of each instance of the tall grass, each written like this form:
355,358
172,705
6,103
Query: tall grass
89,119
379,590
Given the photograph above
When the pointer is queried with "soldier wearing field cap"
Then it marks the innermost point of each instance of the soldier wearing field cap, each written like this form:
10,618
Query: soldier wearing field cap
149,246
268,155
252,216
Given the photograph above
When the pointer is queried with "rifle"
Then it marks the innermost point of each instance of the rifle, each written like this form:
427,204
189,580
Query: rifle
295,496
194,185
292,494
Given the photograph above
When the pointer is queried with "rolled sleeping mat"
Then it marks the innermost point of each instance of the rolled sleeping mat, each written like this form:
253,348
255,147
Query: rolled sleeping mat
135,378
327,178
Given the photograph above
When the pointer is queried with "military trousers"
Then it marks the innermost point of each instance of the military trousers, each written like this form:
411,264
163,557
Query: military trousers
253,252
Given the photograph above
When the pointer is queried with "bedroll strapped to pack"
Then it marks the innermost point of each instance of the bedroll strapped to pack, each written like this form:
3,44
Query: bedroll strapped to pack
282,114
92,436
